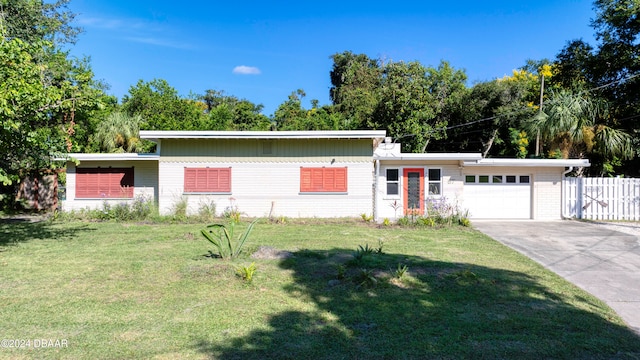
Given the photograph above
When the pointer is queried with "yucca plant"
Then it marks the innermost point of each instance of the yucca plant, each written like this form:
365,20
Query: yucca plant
224,240
401,271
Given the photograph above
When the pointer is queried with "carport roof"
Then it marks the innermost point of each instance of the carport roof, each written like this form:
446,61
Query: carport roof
530,162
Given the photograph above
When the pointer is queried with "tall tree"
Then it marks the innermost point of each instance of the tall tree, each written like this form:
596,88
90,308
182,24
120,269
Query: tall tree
355,81
42,87
161,108
227,112
409,100
291,115
574,127
611,69
36,20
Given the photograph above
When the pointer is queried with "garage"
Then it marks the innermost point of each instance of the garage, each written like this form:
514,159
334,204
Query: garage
498,196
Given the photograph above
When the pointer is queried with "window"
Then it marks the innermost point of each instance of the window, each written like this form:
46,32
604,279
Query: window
323,180
207,180
108,183
435,182
393,187
497,179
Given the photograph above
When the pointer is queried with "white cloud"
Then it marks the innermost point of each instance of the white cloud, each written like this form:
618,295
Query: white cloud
246,70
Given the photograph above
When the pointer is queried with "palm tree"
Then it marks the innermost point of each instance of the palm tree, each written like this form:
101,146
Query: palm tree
576,125
119,132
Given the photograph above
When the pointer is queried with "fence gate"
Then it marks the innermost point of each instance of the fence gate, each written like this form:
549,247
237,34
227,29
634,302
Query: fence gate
601,198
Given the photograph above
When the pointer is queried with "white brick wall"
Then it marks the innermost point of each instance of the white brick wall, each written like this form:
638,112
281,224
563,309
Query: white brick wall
256,187
547,193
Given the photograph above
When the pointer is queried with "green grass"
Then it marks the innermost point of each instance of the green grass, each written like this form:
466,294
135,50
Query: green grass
127,290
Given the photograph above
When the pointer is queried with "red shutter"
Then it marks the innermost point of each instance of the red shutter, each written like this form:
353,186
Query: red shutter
340,179
323,179
305,180
224,180
190,176
207,180
104,183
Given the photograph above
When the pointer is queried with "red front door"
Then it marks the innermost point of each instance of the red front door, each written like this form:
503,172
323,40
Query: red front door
413,191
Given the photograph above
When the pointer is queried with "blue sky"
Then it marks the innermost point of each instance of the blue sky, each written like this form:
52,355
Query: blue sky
263,51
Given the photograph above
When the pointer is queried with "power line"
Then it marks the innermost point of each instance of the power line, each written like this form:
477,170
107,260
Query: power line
613,82
550,102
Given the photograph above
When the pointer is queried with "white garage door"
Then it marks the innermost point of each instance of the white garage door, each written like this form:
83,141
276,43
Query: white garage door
498,196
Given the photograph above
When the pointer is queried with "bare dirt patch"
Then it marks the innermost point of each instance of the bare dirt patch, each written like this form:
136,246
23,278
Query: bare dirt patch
270,253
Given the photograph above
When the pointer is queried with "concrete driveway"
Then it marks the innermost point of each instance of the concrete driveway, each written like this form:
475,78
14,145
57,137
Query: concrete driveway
604,262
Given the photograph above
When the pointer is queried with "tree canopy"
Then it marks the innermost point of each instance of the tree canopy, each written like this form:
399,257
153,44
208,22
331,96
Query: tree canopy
43,88
583,103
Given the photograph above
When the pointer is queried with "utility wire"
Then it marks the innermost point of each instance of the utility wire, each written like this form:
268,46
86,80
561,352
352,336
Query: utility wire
551,102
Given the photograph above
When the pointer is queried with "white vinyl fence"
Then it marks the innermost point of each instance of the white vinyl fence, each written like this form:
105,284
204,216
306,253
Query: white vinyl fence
602,198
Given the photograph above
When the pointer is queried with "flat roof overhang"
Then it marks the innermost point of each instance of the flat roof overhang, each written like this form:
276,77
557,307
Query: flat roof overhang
530,162
430,157
263,135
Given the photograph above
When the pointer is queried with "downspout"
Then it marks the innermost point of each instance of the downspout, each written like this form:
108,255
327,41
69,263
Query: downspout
375,190
563,196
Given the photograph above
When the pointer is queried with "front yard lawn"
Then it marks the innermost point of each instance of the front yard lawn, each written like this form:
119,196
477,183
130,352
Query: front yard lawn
128,290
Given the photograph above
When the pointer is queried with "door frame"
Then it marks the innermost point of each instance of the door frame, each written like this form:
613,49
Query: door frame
405,190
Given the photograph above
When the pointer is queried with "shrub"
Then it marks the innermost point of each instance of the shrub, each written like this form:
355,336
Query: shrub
207,210
232,212
179,209
142,207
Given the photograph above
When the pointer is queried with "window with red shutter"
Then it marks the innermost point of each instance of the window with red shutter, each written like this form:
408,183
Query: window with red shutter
323,180
107,183
207,180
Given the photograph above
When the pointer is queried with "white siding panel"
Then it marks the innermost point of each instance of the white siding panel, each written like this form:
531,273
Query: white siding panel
261,189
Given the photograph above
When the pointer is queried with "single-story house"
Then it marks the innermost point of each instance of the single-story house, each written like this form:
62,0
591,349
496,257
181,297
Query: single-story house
486,188
314,174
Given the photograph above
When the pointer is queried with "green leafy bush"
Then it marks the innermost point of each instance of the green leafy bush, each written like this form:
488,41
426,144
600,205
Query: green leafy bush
179,209
207,210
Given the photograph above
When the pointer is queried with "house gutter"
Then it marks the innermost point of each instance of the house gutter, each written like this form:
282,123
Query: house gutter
564,193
